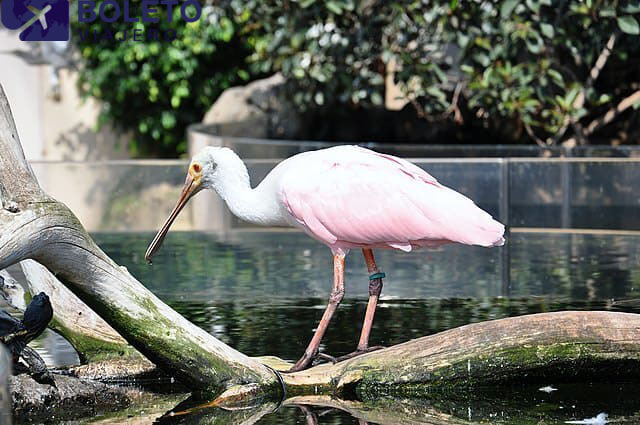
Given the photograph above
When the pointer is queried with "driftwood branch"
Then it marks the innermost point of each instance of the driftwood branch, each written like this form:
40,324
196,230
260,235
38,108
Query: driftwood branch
89,334
574,345
103,353
49,233
35,226
17,181
569,346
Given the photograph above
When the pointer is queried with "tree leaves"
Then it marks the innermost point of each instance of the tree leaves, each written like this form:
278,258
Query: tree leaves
547,30
518,61
628,24
153,89
507,8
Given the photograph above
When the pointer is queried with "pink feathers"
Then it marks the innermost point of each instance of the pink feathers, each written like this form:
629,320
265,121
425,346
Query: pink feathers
351,197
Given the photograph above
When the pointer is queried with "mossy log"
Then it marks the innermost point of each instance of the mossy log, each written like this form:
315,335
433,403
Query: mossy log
35,226
104,355
567,344
90,335
537,348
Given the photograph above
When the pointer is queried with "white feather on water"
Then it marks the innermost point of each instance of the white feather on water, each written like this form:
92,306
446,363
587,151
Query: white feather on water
601,419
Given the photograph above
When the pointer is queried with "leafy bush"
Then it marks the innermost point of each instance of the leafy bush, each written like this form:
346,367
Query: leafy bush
522,69
152,90
332,50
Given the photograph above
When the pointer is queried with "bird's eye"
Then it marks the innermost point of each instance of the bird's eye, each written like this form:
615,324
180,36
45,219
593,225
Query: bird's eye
196,167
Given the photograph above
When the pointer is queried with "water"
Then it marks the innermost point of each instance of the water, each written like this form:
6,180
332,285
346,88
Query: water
263,293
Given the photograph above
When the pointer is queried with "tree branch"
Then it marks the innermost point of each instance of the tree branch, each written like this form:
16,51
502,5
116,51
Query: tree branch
612,113
533,136
580,98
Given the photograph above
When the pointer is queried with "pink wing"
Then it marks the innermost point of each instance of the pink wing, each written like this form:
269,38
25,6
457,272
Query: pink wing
354,197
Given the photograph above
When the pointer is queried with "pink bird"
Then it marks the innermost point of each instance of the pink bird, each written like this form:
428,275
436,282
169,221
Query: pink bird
345,197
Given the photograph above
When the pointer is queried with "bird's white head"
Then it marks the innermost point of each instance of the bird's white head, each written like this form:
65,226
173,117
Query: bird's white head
211,168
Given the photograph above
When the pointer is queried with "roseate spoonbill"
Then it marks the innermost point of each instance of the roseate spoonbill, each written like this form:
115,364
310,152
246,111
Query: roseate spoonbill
345,197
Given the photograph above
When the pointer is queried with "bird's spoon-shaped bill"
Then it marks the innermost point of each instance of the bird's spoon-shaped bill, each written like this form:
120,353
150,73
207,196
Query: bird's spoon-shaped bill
191,187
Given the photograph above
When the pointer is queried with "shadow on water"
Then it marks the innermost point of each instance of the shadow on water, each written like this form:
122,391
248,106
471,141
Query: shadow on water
264,292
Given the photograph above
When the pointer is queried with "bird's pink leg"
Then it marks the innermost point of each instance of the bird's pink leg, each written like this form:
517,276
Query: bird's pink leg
375,287
337,293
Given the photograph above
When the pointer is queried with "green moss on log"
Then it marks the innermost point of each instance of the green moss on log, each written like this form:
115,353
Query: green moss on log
181,356
528,363
91,349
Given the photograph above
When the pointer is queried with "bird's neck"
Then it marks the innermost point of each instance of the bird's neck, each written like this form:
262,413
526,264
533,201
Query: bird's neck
252,205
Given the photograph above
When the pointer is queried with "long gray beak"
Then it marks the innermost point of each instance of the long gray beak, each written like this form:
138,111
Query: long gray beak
190,188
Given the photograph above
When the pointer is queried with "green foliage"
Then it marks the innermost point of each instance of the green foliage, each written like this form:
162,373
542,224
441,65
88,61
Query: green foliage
523,70
521,66
152,90
332,50
528,62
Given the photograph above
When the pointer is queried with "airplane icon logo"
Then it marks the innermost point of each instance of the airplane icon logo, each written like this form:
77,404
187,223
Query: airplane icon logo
37,20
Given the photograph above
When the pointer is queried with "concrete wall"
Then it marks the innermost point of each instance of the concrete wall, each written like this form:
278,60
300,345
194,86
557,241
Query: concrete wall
52,127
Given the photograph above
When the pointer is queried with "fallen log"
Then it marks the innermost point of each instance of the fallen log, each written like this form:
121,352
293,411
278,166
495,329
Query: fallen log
576,345
568,344
104,355
572,345
93,339
35,226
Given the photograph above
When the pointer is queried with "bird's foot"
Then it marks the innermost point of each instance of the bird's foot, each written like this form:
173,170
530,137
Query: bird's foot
326,357
308,360
304,362
359,352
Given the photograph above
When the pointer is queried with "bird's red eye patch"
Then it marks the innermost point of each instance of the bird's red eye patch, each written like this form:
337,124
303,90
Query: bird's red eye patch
197,168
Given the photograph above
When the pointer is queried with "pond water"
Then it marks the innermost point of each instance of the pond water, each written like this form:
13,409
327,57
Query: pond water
263,293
